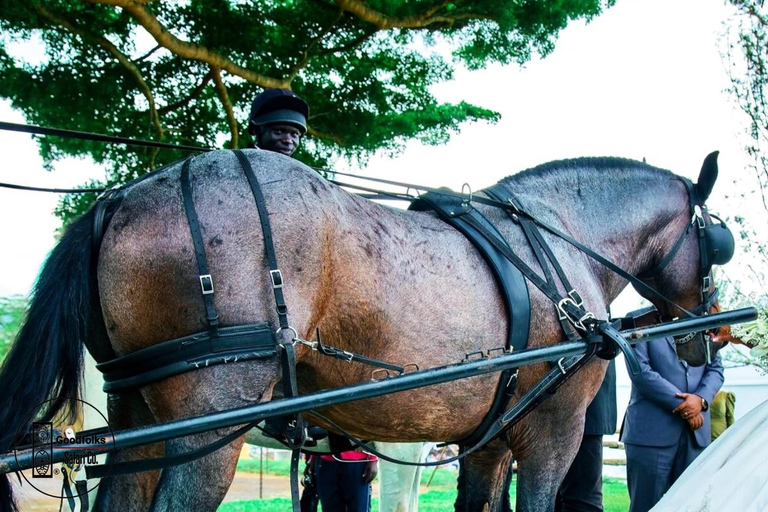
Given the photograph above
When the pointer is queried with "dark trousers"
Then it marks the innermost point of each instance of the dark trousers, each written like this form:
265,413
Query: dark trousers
582,487
340,486
651,470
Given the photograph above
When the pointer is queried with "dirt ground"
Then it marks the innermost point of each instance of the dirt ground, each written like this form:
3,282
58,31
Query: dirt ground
245,486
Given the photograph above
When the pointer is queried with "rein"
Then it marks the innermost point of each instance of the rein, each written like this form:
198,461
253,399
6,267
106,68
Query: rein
511,208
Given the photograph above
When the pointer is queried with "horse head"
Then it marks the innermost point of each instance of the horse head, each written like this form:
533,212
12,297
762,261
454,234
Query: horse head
683,273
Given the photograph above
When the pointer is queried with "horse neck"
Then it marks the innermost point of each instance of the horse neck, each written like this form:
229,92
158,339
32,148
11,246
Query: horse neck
632,220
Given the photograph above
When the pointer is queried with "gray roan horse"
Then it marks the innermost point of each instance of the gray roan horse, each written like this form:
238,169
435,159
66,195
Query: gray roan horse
399,286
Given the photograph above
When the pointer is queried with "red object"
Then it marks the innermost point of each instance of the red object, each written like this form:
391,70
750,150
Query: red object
350,455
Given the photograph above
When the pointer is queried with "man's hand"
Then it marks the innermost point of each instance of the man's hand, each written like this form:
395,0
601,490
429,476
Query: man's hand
696,422
370,471
690,407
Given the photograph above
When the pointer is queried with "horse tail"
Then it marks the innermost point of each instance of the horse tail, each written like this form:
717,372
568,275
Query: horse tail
46,360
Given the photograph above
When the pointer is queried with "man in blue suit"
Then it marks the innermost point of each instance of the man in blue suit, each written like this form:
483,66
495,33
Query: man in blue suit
667,421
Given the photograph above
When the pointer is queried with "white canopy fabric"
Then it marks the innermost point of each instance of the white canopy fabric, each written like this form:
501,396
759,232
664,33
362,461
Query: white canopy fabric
731,474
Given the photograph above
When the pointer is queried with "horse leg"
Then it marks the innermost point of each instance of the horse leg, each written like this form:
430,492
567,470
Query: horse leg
200,484
130,492
482,479
549,445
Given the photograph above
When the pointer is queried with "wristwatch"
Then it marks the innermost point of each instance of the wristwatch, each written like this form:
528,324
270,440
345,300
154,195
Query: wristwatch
704,404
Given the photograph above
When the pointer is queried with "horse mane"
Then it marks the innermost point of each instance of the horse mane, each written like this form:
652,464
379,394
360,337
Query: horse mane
564,169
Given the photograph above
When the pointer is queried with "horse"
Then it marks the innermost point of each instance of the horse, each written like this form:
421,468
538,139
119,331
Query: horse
395,285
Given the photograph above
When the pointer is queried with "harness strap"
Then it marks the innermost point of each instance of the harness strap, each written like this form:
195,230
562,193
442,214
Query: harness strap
137,466
514,290
293,425
269,245
540,249
351,357
206,281
172,357
533,397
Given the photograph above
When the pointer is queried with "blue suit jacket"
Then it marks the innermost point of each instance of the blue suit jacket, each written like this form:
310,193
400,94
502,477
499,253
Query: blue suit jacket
649,420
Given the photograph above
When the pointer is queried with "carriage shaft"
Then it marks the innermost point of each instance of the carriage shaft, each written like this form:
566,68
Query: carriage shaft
22,459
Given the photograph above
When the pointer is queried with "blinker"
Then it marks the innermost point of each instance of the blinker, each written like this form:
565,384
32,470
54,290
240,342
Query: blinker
720,244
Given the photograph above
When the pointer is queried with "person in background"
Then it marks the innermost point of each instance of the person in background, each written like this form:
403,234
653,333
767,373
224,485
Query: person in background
278,121
721,412
667,423
582,487
343,480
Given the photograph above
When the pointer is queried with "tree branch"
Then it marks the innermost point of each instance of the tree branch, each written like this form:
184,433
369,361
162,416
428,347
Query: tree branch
194,94
305,57
350,45
423,20
187,50
326,136
133,71
224,97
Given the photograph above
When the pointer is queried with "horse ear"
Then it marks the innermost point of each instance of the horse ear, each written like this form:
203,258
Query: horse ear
707,177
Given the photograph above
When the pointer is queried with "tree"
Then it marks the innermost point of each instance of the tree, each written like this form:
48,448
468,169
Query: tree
12,310
185,72
747,63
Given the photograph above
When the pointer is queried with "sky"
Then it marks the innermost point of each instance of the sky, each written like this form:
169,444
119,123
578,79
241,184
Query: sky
643,80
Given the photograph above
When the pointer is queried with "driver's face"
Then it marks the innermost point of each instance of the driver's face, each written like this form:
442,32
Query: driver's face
280,138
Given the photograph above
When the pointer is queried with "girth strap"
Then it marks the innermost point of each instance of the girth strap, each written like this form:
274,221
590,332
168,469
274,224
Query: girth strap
514,290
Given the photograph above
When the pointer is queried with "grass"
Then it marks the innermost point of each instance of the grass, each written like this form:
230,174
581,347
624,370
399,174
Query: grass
439,497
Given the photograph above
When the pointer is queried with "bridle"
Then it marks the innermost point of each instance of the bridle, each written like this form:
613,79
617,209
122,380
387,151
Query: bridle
716,246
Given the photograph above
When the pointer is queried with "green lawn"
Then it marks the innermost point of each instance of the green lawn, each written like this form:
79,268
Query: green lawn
439,497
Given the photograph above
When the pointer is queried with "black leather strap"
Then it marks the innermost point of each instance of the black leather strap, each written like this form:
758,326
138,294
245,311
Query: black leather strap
206,281
232,345
137,466
276,275
351,357
514,290
540,249
293,425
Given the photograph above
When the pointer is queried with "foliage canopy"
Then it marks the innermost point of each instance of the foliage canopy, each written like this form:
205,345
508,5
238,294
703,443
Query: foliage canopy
747,63
185,72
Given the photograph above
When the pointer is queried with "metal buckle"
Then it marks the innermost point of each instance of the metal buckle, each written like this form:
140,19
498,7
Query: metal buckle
277,278
706,284
206,284
573,294
699,216
577,322
468,200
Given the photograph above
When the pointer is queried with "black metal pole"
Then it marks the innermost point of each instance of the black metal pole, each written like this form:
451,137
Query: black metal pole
163,431
72,134
686,325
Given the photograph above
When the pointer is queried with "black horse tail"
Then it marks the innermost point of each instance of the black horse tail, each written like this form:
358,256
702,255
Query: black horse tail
46,360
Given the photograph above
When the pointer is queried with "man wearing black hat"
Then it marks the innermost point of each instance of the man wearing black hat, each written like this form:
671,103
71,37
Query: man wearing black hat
278,120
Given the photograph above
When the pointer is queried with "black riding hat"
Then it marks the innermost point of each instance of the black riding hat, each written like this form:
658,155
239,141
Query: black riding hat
278,106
